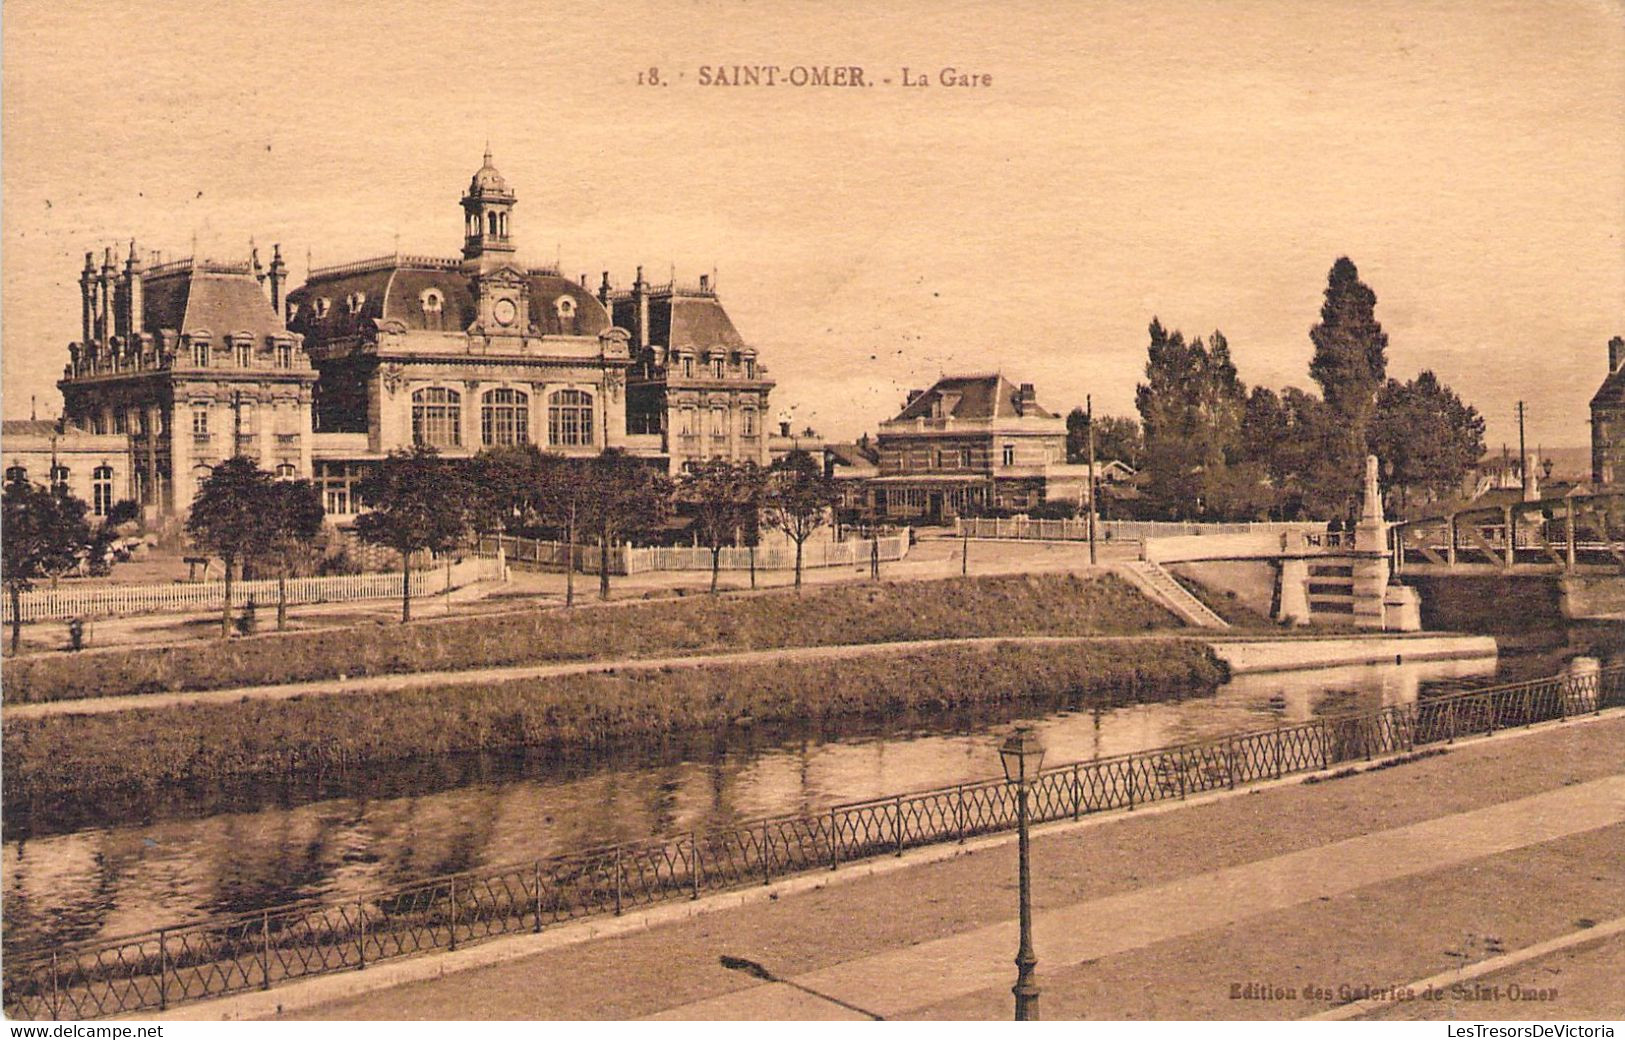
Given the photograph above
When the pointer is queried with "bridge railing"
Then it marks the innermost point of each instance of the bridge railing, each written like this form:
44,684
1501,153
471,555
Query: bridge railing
198,960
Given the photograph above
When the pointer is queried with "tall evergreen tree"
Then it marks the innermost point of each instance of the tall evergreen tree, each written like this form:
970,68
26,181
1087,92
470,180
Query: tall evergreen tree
1191,407
1351,365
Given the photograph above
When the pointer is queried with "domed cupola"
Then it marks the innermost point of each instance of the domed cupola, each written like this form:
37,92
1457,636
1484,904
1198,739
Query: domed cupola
487,210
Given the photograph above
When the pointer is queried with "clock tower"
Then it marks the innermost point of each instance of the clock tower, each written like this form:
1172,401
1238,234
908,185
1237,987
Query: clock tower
501,290
487,210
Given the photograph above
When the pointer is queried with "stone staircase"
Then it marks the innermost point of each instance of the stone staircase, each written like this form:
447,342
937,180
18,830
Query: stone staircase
1161,587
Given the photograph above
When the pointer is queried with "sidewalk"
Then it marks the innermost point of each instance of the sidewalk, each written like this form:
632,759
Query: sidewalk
1270,904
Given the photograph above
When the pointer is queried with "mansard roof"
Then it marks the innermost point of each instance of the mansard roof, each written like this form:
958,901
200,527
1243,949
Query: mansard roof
683,319
189,296
395,288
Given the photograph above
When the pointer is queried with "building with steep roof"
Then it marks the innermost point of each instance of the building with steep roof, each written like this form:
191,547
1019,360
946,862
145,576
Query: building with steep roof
193,361
696,389
971,443
188,363
1608,420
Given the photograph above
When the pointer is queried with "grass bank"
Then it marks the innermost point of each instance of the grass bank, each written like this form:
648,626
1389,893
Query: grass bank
1049,604
85,756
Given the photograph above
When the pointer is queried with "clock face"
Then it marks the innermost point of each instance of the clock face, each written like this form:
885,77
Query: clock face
505,311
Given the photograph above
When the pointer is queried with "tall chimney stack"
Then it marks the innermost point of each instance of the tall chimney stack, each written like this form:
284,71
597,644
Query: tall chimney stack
105,299
132,299
279,274
640,304
87,292
1616,353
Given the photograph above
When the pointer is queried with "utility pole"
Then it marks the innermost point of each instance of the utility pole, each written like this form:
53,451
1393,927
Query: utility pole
1523,456
1089,416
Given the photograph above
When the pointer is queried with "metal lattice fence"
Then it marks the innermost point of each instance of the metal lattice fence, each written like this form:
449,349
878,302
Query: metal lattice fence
153,970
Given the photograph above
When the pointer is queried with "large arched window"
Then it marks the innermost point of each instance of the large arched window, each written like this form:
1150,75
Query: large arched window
504,417
101,490
437,417
569,417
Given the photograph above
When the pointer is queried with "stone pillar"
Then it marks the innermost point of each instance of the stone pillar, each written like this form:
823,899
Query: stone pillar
1294,598
1507,524
1371,565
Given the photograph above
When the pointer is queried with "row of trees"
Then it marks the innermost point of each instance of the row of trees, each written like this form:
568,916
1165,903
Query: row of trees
1211,448
419,500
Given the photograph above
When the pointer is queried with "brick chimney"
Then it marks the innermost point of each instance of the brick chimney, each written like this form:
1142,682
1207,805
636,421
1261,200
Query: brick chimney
1026,400
1616,353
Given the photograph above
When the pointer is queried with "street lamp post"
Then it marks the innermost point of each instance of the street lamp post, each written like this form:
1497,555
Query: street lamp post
1022,754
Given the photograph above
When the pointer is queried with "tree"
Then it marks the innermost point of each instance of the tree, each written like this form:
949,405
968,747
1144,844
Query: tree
507,486
1191,407
1350,364
1427,438
723,498
620,497
798,499
1116,437
44,531
231,518
294,511
417,501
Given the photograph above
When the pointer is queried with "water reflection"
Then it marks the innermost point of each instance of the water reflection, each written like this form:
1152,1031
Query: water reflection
104,881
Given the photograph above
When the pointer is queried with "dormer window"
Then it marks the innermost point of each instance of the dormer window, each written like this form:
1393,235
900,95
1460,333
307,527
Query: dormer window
750,368
566,307
433,305
293,311
322,305
716,366
284,355
688,366
244,353
200,354
355,301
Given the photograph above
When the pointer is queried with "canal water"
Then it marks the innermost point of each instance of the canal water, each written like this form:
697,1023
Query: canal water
74,878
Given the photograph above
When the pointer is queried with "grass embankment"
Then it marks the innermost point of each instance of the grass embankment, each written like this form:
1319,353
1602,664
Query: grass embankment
1051,604
87,755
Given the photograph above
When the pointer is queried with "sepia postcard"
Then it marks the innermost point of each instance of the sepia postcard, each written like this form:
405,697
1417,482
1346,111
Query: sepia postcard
729,512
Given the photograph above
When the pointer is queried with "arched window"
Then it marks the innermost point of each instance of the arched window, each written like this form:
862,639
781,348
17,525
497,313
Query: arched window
101,490
493,222
504,417
569,417
437,417
286,471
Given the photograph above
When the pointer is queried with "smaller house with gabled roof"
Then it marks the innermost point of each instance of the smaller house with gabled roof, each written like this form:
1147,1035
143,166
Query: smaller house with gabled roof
1608,420
971,444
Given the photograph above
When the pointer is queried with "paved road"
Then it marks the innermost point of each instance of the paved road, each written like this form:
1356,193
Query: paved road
1280,903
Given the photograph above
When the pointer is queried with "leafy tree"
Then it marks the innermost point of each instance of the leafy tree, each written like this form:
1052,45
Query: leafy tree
417,501
508,485
1116,437
621,497
1191,407
798,499
231,518
1350,364
294,512
724,498
1427,437
44,531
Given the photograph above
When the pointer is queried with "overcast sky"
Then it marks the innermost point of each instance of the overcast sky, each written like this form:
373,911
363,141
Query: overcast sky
1201,162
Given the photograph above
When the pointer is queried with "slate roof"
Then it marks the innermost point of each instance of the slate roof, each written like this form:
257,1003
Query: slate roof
683,322
1612,391
970,397
197,298
394,290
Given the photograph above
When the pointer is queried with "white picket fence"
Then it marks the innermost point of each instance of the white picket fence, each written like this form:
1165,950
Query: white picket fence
624,559
205,596
1112,530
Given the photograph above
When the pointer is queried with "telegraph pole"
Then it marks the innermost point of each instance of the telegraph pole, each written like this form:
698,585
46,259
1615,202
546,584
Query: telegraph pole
1089,415
1523,456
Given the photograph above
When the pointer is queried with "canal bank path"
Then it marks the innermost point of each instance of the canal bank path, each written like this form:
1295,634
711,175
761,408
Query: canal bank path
1284,902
